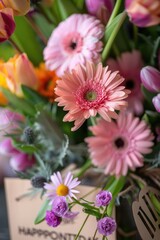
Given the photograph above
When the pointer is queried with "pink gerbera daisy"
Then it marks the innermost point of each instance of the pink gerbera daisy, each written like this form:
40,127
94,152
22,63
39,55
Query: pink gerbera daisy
88,90
74,41
118,146
58,187
129,65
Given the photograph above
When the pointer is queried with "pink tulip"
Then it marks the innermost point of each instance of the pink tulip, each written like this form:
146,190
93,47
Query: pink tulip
150,78
101,8
22,161
7,24
19,70
143,13
6,147
156,102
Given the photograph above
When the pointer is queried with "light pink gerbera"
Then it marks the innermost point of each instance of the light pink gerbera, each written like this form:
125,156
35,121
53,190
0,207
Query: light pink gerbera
118,146
88,90
129,65
74,41
58,187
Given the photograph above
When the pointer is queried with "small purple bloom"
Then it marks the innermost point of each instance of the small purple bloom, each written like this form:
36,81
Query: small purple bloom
51,219
70,215
156,102
103,198
60,206
106,226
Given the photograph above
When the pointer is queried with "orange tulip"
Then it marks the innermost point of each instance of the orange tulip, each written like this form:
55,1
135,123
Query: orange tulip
20,7
7,24
19,70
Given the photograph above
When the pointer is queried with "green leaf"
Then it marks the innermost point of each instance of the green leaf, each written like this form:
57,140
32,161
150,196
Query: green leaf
79,4
41,215
117,185
93,213
19,104
24,148
154,57
6,51
33,96
148,95
64,8
27,40
109,29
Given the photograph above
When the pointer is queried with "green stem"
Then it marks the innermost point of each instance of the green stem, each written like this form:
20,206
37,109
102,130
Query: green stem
94,236
84,168
115,11
82,227
14,44
112,37
36,29
93,121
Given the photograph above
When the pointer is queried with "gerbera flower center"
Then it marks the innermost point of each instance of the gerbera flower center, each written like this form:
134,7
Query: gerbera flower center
90,95
130,84
119,142
62,190
73,45
72,42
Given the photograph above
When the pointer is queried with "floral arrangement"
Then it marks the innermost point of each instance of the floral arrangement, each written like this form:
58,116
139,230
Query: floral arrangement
80,87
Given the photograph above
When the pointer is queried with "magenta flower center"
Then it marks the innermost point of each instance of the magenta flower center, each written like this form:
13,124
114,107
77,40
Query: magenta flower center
72,42
92,95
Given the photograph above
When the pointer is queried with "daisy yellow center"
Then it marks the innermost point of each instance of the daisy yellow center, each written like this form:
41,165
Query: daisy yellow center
91,96
62,190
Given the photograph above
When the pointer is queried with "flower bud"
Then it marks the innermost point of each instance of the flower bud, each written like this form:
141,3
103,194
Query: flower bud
7,24
38,181
101,9
29,136
150,78
22,161
20,7
19,70
156,102
143,13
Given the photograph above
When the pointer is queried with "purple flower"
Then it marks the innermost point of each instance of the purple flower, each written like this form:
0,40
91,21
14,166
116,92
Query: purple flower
103,198
60,206
156,102
52,219
70,215
106,226
150,78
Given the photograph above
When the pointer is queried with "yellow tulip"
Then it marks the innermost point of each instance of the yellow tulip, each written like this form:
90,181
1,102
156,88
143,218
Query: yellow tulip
20,7
19,70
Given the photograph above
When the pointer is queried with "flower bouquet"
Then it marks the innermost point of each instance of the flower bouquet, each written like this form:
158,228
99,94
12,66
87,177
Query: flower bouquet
80,105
